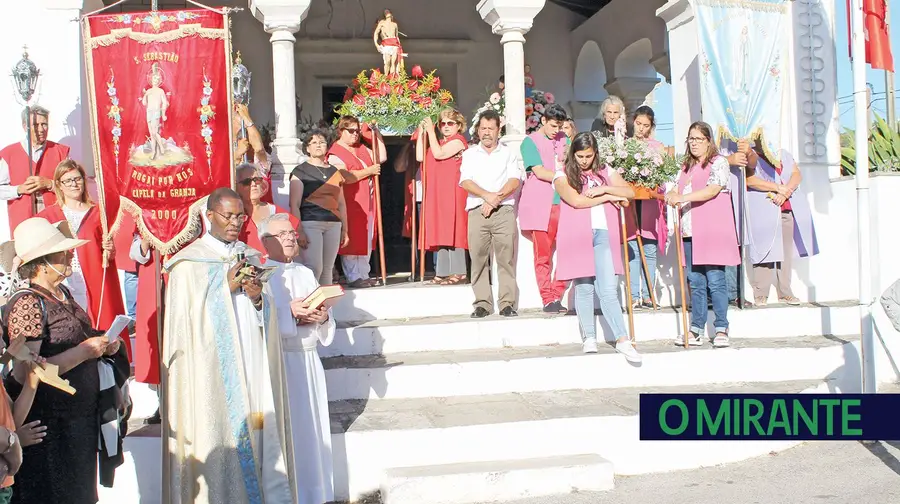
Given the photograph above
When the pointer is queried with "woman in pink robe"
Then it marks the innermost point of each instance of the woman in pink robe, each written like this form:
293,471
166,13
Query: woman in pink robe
707,230
587,245
651,216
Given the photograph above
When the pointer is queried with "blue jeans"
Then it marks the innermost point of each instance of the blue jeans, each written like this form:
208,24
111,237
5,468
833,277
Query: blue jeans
641,290
700,277
731,278
605,284
131,284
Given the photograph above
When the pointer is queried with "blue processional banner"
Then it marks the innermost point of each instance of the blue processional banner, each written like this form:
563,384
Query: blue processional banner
742,62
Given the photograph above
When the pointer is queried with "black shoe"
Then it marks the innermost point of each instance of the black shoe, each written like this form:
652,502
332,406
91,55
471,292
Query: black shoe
554,307
153,420
508,312
480,313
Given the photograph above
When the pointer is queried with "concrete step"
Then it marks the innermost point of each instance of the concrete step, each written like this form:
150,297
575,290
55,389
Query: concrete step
563,367
435,432
534,328
499,480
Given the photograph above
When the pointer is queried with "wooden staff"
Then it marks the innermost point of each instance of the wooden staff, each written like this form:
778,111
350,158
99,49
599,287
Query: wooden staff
413,242
640,242
680,246
627,273
422,227
380,229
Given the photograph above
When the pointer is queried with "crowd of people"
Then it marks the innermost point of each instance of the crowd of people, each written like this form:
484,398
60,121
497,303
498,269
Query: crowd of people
267,395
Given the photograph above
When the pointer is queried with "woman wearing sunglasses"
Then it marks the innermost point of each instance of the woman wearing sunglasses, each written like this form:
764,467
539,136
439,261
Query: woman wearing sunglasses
88,279
357,164
252,186
444,212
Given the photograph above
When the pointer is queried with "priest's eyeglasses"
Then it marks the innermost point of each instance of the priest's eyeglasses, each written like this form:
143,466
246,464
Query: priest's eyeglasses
283,236
238,218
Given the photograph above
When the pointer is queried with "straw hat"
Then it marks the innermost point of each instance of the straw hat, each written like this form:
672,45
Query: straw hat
35,238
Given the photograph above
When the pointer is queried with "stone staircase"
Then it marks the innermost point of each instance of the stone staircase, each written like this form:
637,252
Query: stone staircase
430,406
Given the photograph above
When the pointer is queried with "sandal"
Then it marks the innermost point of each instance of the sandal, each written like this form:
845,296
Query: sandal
451,280
435,281
791,300
760,300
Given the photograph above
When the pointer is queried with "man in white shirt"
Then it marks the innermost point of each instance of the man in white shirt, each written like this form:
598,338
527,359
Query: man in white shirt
302,330
491,175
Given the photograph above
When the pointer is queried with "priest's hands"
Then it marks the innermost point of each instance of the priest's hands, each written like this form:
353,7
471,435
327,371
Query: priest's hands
253,289
301,312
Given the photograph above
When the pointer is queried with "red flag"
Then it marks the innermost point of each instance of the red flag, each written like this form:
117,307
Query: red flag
878,40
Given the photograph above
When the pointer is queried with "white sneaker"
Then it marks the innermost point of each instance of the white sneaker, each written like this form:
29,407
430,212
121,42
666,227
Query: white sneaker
693,340
721,341
589,346
626,348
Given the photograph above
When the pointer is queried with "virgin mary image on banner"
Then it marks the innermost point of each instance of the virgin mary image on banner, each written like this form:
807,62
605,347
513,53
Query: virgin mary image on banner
158,151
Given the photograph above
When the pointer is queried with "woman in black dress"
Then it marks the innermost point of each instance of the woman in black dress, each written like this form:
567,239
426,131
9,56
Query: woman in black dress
62,468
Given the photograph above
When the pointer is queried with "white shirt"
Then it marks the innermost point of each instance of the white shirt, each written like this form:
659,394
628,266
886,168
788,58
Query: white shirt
598,214
490,170
11,192
135,251
296,281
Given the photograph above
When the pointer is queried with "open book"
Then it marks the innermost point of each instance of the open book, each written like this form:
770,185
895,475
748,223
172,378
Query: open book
326,295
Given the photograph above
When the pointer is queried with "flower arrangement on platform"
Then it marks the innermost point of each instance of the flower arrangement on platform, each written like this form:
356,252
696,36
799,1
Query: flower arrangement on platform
535,103
496,101
637,162
397,103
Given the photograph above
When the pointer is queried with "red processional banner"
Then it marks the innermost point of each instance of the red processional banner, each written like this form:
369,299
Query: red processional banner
159,91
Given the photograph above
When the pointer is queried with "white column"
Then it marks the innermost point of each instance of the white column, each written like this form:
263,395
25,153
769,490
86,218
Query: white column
282,19
684,66
512,19
286,142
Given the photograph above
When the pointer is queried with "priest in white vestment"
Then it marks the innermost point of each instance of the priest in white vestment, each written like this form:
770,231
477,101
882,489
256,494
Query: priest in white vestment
226,421
302,330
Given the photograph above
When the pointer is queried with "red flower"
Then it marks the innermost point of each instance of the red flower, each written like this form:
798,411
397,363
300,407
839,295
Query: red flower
417,72
348,94
445,99
359,100
412,85
375,75
384,89
372,90
425,102
437,83
355,83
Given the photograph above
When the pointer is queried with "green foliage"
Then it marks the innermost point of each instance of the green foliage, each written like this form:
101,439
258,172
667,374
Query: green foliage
884,148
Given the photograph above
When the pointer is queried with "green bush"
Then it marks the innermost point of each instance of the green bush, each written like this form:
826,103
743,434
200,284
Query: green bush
884,148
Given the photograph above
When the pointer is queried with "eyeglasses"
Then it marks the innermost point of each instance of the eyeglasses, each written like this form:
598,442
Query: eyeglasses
353,131
696,139
283,236
71,182
238,218
251,180
448,123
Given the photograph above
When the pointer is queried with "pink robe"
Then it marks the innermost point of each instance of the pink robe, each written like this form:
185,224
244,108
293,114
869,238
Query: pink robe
575,239
536,201
713,231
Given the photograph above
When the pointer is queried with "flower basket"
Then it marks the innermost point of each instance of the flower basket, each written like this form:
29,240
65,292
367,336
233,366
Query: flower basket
396,103
642,166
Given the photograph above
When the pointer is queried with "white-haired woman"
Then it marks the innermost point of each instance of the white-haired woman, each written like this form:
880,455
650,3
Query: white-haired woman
612,110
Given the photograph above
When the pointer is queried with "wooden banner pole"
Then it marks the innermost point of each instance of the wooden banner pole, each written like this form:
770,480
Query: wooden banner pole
378,216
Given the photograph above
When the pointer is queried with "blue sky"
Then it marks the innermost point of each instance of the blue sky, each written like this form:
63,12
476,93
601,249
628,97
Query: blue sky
662,100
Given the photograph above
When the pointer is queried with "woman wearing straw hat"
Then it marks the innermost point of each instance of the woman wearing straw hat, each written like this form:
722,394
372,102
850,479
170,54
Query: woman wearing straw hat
94,288
61,468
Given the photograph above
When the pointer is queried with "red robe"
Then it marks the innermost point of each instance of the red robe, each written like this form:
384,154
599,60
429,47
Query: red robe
123,239
16,158
444,204
96,279
359,201
146,342
250,233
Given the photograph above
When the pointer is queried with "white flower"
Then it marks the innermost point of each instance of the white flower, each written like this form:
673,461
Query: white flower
637,157
495,98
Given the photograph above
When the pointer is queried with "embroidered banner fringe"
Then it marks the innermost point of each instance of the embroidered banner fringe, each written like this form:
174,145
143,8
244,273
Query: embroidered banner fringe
146,38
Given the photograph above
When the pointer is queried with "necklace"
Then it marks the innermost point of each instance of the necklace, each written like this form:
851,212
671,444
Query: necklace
321,172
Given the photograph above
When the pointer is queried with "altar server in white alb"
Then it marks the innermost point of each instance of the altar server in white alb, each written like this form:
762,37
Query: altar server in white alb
301,330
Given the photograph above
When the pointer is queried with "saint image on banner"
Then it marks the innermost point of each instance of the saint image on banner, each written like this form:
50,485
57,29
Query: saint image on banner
158,151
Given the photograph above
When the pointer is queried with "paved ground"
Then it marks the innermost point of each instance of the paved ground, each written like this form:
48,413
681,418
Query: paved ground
819,472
